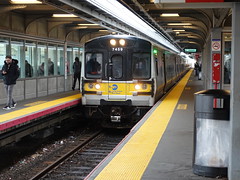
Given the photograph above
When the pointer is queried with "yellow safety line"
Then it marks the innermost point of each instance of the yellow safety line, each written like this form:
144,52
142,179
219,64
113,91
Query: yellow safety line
19,113
133,158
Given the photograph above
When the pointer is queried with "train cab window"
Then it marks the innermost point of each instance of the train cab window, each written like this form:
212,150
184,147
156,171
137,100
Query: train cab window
94,65
141,65
117,66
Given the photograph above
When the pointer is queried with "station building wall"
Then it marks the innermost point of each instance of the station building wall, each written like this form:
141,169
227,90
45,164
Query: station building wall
34,39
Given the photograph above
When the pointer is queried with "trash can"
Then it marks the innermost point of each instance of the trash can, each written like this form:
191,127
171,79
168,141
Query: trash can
211,133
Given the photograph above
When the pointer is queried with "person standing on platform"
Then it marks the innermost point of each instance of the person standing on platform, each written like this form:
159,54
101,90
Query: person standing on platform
196,68
200,71
28,69
50,67
77,72
10,72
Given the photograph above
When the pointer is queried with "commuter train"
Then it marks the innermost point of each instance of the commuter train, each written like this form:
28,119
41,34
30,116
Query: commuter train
123,76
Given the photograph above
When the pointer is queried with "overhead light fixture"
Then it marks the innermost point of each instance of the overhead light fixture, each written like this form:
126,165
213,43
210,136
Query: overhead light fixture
179,24
64,15
82,27
179,30
103,30
25,2
183,35
193,37
169,15
117,10
88,24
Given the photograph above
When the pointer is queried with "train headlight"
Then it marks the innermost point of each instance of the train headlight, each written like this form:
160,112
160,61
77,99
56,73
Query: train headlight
137,87
113,42
144,86
122,42
97,86
90,85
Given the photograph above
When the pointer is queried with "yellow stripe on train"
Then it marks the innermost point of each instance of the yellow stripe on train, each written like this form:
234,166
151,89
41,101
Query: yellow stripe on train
116,88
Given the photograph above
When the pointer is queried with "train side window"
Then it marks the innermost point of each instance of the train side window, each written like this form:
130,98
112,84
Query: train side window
117,66
141,65
156,64
94,65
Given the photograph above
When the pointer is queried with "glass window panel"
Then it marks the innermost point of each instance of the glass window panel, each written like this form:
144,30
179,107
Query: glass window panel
4,50
94,65
141,65
81,55
75,52
30,56
227,37
60,63
17,52
52,59
42,59
69,59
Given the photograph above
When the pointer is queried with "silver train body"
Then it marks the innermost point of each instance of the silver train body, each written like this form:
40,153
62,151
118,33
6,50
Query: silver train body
124,76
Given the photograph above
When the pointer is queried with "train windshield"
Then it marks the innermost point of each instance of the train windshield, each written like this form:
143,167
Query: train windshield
117,66
94,65
141,65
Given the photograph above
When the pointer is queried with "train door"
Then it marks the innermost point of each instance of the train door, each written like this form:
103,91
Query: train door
117,87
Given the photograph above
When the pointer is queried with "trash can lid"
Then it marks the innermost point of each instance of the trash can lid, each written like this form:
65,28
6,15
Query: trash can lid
219,92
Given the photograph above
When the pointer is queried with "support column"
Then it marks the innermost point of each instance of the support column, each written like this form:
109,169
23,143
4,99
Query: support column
234,156
65,66
206,63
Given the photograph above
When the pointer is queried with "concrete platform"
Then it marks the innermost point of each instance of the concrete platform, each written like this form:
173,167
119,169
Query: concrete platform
160,146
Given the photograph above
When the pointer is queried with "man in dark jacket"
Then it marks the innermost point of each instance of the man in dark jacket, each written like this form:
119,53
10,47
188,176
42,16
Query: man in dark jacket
10,72
77,72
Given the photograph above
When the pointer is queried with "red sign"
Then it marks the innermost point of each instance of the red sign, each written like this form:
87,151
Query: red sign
216,67
197,56
207,1
198,1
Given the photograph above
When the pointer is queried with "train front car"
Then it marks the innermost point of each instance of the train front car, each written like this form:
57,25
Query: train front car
117,86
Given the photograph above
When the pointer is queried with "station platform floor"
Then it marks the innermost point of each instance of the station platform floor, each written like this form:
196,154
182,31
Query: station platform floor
160,146
32,109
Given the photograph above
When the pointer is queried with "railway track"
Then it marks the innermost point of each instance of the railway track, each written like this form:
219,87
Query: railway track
77,161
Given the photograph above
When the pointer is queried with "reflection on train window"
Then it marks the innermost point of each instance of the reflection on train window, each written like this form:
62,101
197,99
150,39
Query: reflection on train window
117,66
93,65
141,65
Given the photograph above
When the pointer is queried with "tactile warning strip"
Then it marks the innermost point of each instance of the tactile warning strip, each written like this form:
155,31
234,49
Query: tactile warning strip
23,115
133,158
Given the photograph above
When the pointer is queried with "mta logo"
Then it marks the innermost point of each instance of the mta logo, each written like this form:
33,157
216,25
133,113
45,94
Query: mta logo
114,87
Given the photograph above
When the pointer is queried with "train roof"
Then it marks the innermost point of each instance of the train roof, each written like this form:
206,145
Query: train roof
129,37
117,36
